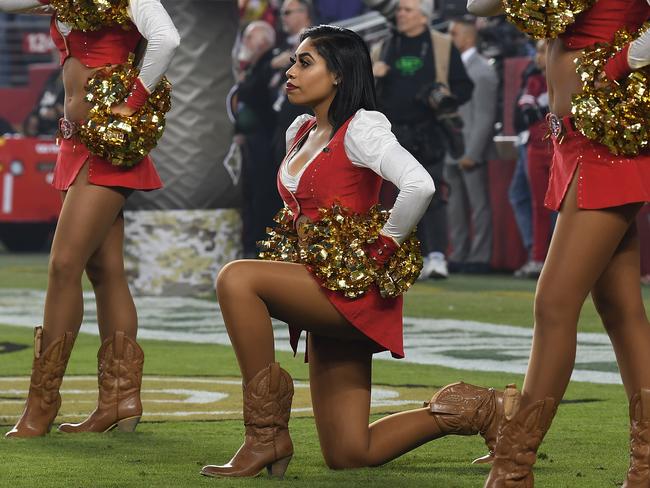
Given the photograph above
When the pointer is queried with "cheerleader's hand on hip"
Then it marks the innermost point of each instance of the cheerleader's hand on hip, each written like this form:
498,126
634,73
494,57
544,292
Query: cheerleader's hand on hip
123,109
382,249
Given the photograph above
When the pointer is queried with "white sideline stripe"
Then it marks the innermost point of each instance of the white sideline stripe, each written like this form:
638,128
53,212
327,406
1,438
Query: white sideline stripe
380,396
443,342
7,193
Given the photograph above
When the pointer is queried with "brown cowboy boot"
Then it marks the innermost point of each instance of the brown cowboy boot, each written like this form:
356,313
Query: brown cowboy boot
638,475
519,437
44,400
267,407
119,363
464,409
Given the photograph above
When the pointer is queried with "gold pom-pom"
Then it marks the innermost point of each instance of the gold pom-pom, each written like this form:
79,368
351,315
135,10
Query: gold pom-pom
544,19
616,114
123,140
334,249
282,241
91,15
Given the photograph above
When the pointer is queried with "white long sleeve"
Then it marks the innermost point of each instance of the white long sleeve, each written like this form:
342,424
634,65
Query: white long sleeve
155,25
18,6
639,54
294,128
370,143
485,8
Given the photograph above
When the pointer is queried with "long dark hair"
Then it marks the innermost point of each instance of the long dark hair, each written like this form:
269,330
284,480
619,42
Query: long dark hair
346,55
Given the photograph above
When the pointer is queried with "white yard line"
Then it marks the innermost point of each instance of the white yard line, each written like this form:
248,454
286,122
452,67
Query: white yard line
456,344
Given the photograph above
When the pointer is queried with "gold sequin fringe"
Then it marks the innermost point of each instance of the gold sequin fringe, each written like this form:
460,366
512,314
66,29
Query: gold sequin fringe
91,15
333,248
544,19
123,140
617,114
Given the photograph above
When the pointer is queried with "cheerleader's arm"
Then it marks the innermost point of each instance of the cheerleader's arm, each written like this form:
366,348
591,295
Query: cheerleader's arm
25,6
485,8
370,143
155,25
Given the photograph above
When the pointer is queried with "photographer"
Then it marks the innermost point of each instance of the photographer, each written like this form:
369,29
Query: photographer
421,81
467,175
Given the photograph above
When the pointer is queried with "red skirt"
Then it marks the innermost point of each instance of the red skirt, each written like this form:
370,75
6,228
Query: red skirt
379,319
73,155
604,180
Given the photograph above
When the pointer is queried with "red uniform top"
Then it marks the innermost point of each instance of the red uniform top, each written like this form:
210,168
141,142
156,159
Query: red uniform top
603,19
110,45
107,46
332,178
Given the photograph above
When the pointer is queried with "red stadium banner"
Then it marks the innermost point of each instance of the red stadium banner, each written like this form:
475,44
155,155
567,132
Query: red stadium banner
26,171
37,43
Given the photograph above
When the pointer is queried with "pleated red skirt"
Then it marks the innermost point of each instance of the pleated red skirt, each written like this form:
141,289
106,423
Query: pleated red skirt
73,155
604,180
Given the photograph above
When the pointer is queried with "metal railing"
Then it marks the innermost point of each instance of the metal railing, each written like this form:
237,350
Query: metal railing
24,40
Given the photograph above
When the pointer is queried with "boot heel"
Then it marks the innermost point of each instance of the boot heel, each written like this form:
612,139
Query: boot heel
128,425
278,468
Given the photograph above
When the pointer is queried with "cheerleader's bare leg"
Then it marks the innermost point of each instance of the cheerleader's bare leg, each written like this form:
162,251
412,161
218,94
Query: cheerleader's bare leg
617,296
588,249
340,382
88,215
250,293
105,270
120,357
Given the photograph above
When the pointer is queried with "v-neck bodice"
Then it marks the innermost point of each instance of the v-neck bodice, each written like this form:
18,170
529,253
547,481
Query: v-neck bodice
290,181
330,177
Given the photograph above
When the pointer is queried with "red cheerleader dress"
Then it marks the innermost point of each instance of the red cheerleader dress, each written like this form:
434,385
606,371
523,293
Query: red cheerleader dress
107,46
328,179
604,180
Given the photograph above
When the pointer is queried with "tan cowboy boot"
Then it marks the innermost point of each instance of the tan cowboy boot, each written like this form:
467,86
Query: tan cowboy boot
267,407
638,475
464,409
44,400
519,437
119,363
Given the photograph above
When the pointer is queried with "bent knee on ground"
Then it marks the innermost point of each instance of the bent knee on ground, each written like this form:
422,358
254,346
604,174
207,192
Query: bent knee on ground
346,452
342,458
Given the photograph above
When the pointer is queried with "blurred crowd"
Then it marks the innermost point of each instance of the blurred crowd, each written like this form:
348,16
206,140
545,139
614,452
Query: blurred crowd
43,120
439,82
25,41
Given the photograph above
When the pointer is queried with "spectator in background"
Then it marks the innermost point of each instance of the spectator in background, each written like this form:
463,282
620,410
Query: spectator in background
5,127
519,190
498,38
533,104
44,119
296,15
251,10
255,120
468,176
5,62
414,68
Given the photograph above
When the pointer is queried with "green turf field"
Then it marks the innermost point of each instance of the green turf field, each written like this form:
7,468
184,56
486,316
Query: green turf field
587,446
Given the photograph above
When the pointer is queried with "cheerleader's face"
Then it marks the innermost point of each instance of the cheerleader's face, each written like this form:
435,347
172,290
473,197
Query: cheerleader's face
309,81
